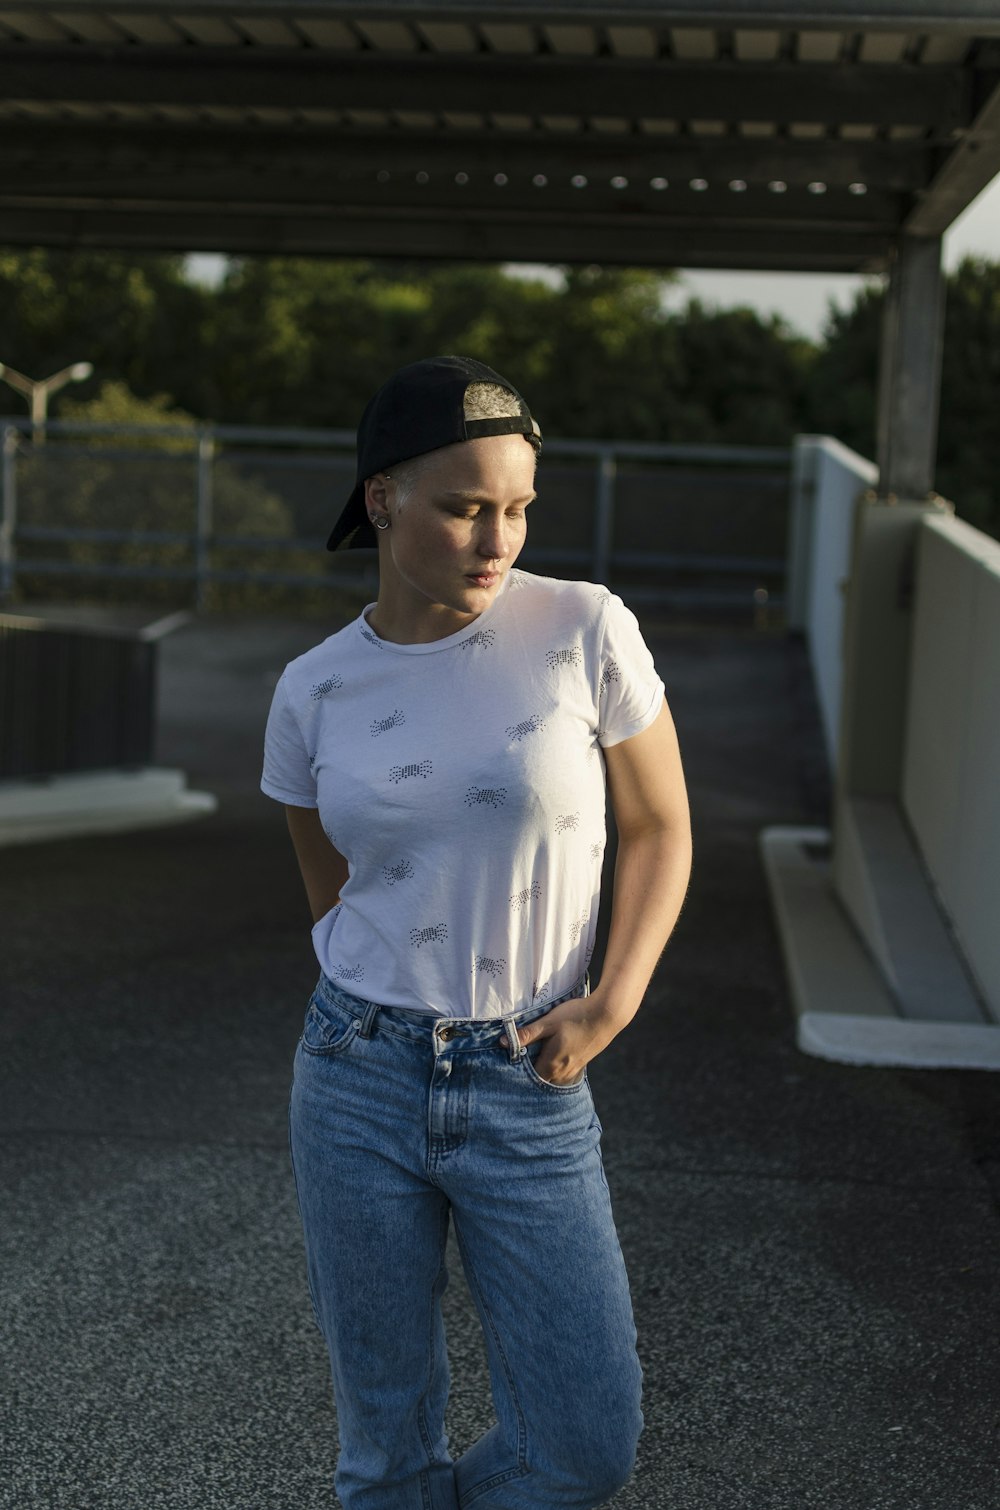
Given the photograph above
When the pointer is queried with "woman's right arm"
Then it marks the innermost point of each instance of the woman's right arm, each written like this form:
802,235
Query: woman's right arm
324,869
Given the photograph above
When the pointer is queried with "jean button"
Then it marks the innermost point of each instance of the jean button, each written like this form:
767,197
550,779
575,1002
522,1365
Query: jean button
446,1032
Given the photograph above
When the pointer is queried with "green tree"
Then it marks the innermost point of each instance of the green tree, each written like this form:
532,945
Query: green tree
138,319
129,502
968,466
305,342
843,383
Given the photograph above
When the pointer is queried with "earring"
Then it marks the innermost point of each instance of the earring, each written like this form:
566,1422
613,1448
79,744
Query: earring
380,524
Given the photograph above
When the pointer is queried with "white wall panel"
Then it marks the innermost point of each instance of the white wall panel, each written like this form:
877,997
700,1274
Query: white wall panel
951,777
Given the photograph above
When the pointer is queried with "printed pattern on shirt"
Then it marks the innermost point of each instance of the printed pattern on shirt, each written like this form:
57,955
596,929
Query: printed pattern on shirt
494,796
483,637
532,725
486,966
580,925
383,725
435,934
400,773
571,657
527,742
611,673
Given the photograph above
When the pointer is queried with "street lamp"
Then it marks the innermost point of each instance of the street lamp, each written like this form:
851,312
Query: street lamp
38,391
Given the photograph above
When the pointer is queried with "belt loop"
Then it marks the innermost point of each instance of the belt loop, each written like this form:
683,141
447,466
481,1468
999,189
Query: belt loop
368,1021
586,983
515,1048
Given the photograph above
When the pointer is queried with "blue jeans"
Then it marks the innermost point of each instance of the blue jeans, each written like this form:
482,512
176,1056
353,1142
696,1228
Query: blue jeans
400,1121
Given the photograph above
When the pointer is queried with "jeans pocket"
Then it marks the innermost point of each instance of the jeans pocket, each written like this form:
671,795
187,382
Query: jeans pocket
560,1090
327,1032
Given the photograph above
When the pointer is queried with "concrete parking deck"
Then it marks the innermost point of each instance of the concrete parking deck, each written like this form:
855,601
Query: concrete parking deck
814,1248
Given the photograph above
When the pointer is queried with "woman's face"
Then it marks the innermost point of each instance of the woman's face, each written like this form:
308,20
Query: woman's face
460,530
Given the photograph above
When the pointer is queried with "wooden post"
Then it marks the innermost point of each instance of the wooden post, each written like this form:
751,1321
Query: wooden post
910,369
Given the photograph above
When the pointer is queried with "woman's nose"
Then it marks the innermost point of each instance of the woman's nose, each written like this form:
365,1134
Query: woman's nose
493,540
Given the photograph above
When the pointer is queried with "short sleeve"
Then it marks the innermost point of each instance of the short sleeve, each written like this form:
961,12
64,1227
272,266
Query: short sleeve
630,690
287,776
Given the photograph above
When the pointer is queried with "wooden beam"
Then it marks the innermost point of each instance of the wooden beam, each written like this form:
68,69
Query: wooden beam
910,368
903,167
837,212
283,229
937,96
967,169
975,16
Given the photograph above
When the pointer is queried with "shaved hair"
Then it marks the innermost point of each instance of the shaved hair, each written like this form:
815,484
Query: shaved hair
482,401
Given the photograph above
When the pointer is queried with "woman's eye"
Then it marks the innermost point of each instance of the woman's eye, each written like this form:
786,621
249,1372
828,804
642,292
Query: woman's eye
474,514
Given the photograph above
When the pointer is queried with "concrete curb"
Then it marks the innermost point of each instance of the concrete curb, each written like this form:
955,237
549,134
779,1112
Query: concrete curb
97,802
844,1009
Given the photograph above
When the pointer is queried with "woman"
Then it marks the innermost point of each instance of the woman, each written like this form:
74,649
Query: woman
443,762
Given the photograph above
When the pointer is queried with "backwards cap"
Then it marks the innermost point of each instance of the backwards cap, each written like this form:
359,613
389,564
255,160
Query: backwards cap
421,408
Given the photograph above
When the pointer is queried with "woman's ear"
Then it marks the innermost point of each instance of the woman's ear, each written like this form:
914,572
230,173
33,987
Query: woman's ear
376,496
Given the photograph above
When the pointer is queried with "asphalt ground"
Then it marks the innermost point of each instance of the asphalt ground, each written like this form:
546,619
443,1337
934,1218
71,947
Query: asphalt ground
813,1248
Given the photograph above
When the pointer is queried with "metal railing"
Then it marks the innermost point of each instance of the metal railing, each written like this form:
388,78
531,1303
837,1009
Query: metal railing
208,506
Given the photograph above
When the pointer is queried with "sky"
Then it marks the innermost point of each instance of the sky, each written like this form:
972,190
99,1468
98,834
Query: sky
802,298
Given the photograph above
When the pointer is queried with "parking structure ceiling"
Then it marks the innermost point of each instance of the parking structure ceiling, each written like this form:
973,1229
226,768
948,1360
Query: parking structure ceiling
711,134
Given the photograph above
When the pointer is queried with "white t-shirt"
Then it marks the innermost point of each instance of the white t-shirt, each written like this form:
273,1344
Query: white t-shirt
464,783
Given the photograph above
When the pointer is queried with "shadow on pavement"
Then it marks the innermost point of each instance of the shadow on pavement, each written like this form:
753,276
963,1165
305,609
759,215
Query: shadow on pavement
813,1248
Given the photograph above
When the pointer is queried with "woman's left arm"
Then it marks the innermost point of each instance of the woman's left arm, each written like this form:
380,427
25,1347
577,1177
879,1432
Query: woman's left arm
649,800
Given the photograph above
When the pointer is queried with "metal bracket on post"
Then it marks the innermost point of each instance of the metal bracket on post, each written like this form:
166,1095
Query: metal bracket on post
8,511
203,515
604,515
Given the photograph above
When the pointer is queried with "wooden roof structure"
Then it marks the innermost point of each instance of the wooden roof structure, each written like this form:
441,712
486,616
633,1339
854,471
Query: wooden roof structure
809,135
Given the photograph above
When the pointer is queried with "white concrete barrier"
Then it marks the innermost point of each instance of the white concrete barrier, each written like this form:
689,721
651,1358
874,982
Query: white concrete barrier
890,921
827,478
97,802
951,772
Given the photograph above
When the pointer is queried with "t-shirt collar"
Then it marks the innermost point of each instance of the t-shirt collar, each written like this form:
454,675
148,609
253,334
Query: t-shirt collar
480,622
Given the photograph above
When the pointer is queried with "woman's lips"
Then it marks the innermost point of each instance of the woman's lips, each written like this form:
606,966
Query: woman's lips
483,578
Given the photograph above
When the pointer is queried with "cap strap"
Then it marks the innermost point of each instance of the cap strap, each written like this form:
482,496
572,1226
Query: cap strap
508,424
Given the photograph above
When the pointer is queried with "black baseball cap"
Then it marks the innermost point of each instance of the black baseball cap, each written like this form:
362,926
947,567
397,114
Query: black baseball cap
419,409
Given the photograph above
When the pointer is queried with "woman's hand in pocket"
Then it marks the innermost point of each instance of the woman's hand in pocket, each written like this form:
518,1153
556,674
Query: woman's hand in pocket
571,1035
